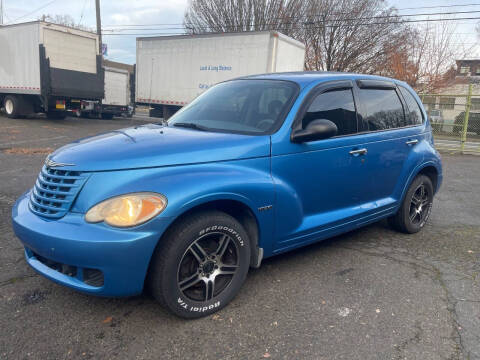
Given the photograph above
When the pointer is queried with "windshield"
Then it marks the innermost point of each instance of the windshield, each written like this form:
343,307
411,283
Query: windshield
239,106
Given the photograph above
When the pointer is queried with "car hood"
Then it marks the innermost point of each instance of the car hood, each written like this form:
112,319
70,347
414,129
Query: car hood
156,145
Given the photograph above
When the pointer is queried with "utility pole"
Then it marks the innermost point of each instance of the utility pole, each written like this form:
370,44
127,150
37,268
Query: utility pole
99,27
1,12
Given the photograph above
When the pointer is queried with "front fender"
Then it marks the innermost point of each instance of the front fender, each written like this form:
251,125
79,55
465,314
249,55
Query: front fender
185,187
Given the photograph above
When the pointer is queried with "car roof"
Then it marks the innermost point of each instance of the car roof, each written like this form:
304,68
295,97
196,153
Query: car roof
304,78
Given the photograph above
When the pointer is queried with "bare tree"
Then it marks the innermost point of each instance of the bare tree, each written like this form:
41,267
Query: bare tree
438,55
426,55
404,60
65,20
243,15
350,35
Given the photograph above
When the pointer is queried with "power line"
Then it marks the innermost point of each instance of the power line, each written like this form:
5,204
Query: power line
128,26
1,12
83,12
34,11
439,6
399,9
309,23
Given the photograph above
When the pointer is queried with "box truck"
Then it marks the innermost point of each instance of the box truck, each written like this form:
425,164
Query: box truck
116,101
172,70
44,66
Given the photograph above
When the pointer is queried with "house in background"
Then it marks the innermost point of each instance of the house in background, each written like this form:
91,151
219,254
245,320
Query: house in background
446,112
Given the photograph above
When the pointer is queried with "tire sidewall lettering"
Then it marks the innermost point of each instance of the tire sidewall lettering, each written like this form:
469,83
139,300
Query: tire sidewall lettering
186,306
229,230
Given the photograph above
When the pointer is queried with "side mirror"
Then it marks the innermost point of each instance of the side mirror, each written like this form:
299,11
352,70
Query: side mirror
316,130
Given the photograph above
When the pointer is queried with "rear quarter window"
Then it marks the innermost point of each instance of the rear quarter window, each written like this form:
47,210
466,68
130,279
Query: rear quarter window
413,114
381,109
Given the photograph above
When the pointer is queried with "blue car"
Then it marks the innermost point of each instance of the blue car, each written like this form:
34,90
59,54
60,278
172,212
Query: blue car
252,168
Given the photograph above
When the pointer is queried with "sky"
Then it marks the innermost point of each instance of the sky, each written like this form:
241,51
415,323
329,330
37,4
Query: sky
127,12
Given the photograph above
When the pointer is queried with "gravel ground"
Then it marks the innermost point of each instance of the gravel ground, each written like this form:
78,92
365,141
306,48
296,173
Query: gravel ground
369,294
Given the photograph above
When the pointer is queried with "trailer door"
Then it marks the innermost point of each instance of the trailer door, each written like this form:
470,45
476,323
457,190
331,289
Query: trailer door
70,51
70,63
116,88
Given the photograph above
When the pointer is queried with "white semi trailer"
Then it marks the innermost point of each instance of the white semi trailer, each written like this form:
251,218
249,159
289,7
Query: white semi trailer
172,70
44,66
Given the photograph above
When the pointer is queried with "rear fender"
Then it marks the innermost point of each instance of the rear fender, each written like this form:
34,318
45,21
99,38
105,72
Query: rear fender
422,156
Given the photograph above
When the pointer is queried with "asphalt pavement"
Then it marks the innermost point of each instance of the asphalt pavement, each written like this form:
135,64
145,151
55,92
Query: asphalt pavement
369,294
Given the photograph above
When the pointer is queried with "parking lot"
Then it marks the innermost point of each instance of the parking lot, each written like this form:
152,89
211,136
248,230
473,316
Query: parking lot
369,294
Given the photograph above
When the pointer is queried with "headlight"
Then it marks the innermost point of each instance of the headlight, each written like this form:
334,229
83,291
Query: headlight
127,210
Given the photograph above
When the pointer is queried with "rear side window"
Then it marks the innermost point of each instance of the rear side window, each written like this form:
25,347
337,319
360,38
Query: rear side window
381,109
336,106
414,114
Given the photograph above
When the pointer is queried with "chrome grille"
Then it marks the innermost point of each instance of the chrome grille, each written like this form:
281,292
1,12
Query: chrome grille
55,190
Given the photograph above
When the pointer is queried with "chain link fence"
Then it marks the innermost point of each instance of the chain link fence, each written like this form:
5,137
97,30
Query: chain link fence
455,120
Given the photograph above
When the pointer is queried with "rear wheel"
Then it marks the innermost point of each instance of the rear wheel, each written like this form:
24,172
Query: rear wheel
200,265
155,112
416,206
12,106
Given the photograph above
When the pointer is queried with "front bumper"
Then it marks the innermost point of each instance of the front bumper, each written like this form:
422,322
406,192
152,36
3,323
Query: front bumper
121,255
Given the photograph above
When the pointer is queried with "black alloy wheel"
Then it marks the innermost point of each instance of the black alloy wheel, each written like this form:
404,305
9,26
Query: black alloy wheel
416,206
208,266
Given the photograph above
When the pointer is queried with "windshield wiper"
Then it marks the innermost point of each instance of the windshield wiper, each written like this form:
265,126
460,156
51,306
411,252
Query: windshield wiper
191,126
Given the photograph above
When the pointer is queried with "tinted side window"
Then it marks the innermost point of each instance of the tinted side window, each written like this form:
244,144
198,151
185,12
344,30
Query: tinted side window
336,106
414,114
382,109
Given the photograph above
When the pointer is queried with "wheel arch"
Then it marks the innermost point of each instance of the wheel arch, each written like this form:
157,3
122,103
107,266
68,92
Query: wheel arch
432,173
430,169
233,207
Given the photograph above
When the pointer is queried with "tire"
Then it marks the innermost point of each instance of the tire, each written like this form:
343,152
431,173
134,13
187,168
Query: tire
416,207
181,277
57,115
106,116
155,112
12,106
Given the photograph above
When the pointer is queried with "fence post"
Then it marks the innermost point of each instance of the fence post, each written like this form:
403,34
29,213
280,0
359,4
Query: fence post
465,121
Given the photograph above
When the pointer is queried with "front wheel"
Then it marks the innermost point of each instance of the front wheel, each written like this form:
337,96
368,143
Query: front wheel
416,206
200,264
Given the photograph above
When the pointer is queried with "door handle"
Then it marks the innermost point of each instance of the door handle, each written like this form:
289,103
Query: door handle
358,152
411,142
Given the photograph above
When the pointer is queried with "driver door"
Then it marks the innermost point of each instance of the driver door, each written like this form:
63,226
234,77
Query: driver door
319,184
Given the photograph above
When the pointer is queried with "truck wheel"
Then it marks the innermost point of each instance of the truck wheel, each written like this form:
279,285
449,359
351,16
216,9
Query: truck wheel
200,264
169,110
57,115
155,112
415,208
107,116
12,106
